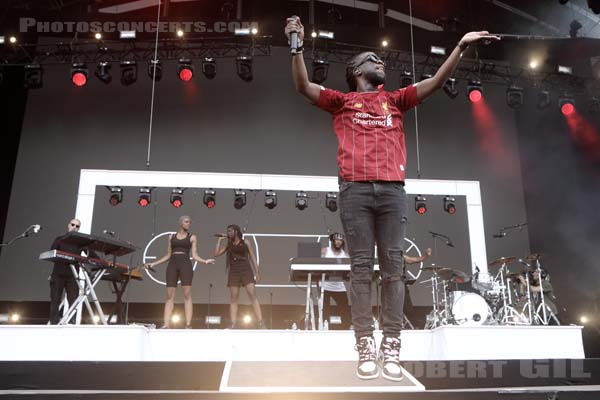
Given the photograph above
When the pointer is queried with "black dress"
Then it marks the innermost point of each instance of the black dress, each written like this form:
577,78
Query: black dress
238,261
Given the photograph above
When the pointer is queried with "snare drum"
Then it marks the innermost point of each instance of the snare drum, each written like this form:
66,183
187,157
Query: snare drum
469,309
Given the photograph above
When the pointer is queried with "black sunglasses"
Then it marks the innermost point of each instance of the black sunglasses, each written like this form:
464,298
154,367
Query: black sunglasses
75,225
373,58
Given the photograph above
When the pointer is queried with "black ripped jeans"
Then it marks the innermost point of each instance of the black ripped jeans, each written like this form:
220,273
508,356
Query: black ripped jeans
375,213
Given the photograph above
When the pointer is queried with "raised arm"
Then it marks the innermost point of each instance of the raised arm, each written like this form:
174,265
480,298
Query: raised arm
195,255
413,260
427,87
219,251
299,74
164,258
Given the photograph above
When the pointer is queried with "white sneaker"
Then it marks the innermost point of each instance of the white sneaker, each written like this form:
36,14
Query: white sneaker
367,358
389,358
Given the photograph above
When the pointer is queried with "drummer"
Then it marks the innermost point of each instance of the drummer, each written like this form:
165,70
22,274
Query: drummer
536,286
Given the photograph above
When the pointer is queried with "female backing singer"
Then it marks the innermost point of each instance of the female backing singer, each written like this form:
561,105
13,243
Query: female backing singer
243,271
180,268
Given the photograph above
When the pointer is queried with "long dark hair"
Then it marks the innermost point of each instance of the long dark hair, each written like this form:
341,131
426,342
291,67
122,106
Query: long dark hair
237,230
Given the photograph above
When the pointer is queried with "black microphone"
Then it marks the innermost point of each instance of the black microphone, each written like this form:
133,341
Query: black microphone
499,235
220,235
294,38
107,232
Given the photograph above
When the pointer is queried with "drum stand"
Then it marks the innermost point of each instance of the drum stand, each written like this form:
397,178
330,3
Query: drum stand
546,314
435,321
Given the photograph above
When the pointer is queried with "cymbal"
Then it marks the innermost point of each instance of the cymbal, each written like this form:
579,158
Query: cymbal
501,261
453,275
534,256
435,268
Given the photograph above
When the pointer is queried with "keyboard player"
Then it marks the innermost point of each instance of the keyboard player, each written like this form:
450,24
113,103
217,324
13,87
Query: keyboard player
336,290
62,278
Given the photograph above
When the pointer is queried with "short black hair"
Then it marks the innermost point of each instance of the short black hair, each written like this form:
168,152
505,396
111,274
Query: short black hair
350,77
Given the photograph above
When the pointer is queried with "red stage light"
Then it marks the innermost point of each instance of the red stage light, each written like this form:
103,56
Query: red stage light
210,204
422,210
79,79
475,95
186,74
177,203
143,201
567,109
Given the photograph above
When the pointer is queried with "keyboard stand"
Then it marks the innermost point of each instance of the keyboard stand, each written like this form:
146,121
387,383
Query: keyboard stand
86,289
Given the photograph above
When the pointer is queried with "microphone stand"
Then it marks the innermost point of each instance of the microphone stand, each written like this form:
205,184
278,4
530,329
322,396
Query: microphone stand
210,285
23,235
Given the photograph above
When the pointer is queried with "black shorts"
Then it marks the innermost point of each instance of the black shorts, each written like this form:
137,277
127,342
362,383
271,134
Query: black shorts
180,268
240,275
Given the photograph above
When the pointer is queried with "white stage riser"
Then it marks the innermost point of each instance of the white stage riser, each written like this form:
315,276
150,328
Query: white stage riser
137,343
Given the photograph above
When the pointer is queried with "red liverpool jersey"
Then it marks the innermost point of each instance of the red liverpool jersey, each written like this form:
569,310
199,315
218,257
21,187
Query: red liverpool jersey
370,132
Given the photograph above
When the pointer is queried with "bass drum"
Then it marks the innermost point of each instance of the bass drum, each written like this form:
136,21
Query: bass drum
469,309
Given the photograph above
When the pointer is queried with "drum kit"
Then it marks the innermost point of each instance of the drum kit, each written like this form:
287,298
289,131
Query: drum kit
501,297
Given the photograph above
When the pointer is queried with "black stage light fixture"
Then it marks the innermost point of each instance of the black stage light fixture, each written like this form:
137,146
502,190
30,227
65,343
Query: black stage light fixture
239,199
103,72
33,76
176,198
474,91
514,96
155,70
301,201
320,68
543,99
426,75
209,67
450,204
566,104
210,198
331,201
421,204
450,88
185,69
79,74
270,199
116,195
244,68
128,72
145,197
406,79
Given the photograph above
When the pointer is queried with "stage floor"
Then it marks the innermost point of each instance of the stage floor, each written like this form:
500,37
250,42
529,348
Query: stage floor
138,343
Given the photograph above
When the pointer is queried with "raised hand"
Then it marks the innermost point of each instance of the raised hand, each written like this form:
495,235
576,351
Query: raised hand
477,37
294,25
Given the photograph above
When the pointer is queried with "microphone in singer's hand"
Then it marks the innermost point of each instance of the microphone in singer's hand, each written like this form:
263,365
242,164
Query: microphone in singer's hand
220,235
294,38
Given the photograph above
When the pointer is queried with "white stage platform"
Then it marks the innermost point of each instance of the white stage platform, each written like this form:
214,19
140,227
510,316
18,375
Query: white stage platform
138,343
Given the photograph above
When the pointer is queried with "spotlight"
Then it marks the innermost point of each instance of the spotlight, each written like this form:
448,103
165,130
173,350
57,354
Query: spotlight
320,69
155,70
212,320
421,204
563,69
98,36
449,205
533,64
437,50
210,198
96,319
103,72
13,39
180,33
270,199
2,39
14,318
584,319
384,43
185,70
128,72
301,201
514,96
244,68
145,197
594,105
331,202
247,319
79,74
175,318
116,195
566,105
475,91
450,88
176,198
543,99
239,200
254,31
325,35
313,34
209,67
127,34
242,32
33,76
406,79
